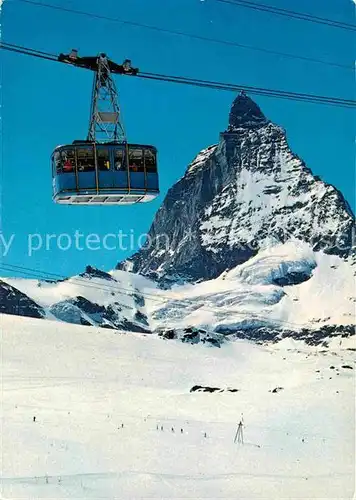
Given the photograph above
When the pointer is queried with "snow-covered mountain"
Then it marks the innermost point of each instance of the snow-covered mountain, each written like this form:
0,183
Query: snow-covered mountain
93,298
286,290
234,198
248,244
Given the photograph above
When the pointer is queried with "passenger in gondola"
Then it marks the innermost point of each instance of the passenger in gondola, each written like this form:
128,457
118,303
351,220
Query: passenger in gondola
67,167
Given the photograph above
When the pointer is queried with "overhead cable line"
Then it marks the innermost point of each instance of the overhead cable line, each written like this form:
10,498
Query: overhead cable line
316,99
289,13
35,51
250,89
185,34
83,282
29,52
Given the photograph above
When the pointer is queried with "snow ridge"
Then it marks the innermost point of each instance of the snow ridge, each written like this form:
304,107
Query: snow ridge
94,298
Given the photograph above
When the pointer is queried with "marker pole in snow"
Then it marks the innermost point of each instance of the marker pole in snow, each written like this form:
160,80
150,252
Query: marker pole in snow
239,437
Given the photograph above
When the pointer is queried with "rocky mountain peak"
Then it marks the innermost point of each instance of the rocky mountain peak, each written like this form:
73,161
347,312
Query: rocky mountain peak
245,113
237,196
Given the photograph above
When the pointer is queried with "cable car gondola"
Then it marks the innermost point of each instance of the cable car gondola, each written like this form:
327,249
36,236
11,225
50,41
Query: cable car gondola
104,169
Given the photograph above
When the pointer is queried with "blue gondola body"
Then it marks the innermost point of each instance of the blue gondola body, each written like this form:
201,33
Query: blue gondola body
89,173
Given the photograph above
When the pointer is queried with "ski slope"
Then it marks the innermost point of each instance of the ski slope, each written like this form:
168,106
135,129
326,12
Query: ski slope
83,383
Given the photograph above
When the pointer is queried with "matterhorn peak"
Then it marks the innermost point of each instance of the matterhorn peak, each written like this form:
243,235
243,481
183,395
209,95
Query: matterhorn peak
245,112
236,198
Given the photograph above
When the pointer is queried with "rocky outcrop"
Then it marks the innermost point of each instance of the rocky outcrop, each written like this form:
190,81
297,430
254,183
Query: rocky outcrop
92,272
191,335
318,336
82,311
12,301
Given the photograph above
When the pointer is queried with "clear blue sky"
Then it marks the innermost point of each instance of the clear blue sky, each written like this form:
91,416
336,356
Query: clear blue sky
46,104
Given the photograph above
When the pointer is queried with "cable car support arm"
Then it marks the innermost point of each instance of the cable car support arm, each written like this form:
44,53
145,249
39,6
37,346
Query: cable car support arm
105,124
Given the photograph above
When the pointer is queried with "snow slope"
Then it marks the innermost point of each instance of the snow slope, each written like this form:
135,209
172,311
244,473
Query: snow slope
83,383
93,298
285,288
